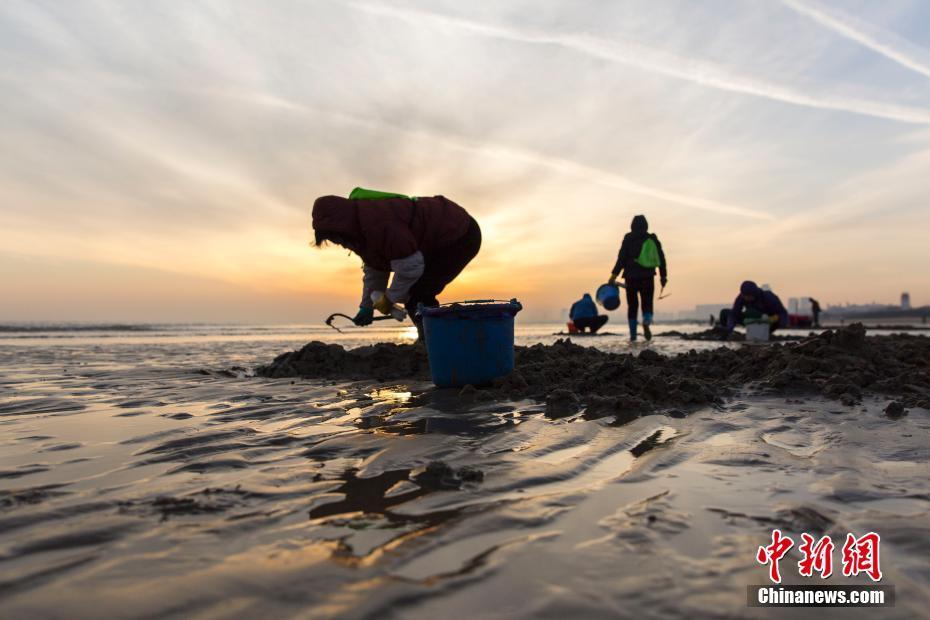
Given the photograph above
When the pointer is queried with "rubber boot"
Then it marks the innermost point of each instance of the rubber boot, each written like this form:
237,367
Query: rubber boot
647,321
633,324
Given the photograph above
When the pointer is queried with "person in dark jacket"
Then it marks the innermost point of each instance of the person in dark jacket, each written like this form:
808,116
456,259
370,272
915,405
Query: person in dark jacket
752,300
424,242
584,315
639,279
815,310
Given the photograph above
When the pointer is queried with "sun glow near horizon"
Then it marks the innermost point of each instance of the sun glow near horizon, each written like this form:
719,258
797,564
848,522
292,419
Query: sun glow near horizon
170,174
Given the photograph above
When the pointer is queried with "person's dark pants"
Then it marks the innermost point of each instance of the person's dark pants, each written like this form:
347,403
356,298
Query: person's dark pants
441,267
592,323
639,289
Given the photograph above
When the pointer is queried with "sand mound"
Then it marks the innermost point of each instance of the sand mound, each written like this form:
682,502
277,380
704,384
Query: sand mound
383,362
839,364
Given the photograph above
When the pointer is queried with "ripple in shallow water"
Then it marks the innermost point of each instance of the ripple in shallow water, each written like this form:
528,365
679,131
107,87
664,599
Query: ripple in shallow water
236,493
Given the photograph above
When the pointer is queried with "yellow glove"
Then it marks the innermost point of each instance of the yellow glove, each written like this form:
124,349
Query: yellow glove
383,304
773,318
612,279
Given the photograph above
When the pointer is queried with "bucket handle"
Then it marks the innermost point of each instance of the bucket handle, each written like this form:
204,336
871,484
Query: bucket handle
481,301
487,301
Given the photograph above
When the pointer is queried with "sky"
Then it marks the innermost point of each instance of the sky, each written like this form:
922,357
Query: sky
158,161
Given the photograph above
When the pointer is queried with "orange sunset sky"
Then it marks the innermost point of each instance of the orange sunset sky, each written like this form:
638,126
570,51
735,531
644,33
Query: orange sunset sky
160,160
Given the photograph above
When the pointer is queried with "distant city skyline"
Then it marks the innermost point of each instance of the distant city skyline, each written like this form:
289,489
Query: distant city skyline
799,305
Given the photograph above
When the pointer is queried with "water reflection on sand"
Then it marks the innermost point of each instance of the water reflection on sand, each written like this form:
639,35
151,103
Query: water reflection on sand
134,485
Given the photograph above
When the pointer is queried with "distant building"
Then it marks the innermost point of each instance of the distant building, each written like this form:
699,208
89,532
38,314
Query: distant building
800,305
859,308
905,301
703,310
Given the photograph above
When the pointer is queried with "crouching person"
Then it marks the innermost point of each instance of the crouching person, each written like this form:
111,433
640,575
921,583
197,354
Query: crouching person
754,302
584,315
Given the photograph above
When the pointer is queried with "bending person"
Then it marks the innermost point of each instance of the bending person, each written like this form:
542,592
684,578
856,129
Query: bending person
424,242
584,315
640,254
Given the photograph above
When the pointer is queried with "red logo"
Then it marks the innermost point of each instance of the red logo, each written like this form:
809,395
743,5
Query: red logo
817,557
773,553
860,555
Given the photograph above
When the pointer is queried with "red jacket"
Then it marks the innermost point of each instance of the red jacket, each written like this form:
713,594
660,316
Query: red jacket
387,229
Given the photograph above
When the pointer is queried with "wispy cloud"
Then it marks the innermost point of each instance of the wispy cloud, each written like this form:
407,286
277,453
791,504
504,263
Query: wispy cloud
617,181
662,62
876,39
560,165
193,141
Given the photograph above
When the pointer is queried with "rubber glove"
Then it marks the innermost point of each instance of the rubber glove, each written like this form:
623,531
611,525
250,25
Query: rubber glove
364,316
663,282
383,305
612,279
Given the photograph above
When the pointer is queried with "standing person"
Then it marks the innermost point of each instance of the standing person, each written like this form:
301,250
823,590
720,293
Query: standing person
584,315
815,310
753,302
424,242
640,254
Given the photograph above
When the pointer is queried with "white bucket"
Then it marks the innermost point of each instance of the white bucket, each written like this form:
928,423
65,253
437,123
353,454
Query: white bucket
757,332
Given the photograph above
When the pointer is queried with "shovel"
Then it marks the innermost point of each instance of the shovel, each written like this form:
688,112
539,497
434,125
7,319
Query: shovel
329,320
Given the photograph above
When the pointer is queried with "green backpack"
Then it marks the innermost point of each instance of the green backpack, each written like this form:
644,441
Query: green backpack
360,193
649,255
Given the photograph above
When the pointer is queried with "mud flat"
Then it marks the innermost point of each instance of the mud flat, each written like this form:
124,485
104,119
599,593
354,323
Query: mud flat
842,364
710,335
899,328
142,480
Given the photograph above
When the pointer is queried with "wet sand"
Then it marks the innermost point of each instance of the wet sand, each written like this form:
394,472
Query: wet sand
141,480
840,364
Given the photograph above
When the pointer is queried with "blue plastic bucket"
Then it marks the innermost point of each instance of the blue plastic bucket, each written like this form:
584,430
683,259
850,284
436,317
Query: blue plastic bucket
469,342
608,295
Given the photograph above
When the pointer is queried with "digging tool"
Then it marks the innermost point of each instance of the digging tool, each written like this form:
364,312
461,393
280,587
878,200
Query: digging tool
329,320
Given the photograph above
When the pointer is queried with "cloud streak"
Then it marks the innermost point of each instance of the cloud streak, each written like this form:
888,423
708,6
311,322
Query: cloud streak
661,62
556,164
193,141
885,43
